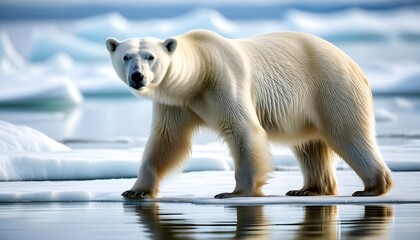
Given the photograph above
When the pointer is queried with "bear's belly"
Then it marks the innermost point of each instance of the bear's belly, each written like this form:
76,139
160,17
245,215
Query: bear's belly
289,132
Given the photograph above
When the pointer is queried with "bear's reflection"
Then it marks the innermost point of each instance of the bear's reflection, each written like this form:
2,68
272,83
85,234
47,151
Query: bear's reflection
319,222
250,223
161,227
374,223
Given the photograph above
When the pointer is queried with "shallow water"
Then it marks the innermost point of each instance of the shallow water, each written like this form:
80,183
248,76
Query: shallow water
189,221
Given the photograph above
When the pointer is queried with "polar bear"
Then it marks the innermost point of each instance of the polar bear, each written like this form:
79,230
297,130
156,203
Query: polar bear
287,87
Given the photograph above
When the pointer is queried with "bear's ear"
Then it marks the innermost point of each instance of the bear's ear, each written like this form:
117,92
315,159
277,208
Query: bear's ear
112,44
170,44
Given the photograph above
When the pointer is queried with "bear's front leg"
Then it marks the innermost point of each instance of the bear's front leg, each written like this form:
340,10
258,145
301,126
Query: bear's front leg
249,148
168,145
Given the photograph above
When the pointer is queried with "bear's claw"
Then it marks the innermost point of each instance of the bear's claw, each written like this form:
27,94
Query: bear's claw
365,194
220,195
225,195
301,193
135,195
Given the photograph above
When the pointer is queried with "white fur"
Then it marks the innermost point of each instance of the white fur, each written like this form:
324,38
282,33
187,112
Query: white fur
289,87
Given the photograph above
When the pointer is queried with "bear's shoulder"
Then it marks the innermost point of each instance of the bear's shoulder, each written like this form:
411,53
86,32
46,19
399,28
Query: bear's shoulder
202,35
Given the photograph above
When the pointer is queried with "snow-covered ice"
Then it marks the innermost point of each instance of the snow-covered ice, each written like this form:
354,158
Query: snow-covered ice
27,154
200,188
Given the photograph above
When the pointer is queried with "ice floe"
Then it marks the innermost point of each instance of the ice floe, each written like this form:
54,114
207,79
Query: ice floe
28,155
200,187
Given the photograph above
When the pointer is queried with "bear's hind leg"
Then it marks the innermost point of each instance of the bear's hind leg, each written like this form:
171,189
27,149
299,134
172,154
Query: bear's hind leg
317,164
362,155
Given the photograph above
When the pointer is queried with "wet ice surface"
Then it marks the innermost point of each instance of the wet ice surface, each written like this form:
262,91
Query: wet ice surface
188,221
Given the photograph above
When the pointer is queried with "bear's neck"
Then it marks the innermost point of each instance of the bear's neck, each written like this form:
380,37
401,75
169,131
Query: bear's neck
185,76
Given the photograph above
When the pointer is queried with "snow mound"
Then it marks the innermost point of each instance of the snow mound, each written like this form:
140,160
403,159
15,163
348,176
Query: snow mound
69,165
22,138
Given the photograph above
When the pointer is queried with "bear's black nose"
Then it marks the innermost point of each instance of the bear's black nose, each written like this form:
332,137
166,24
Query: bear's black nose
136,80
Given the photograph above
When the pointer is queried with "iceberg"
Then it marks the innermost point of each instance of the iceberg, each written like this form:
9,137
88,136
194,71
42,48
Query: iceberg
98,28
389,79
24,84
48,42
383,114
9,58
356,24
48,90
76,51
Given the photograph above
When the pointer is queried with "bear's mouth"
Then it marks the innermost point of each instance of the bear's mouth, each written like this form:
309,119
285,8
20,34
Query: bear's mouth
135,85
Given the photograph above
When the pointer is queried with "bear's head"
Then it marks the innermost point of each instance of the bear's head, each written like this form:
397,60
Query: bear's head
141,63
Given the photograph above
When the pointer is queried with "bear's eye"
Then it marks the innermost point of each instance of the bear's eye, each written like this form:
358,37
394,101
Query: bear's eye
126,58
150,57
